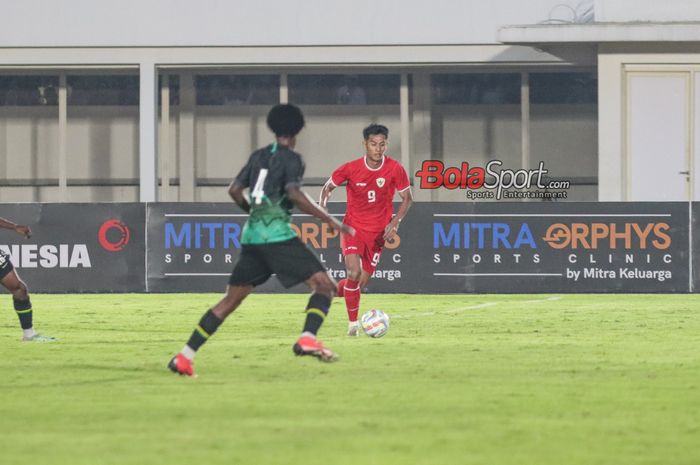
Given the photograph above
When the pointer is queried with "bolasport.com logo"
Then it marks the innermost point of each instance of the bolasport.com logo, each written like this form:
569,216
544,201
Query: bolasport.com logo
492,181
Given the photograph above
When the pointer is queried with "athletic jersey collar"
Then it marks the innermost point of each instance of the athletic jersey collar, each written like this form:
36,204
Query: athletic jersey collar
364,159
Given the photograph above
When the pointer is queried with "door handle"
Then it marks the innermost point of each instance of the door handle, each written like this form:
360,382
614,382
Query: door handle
687,173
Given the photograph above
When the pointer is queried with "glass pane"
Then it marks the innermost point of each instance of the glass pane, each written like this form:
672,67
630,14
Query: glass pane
174,82
563,88
338,89
485,89
474,118
28,90
564,128
249,89
103,90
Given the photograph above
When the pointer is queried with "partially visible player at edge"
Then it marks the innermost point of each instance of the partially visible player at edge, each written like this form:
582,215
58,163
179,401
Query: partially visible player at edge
269,244
372,181
20,294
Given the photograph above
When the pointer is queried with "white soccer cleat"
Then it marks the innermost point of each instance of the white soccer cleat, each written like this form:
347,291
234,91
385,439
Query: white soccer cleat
353,329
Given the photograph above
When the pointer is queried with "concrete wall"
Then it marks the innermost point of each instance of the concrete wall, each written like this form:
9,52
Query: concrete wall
127,23
620,11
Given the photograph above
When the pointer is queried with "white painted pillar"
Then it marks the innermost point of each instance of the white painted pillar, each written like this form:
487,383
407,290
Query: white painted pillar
62,138
423,134
148,145
525,120
405,124
186,137
164,143
284,88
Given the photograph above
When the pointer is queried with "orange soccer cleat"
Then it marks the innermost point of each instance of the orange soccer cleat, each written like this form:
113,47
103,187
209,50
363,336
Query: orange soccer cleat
307,345
182,365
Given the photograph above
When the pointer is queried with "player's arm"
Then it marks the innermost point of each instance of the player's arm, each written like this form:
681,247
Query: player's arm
20,229
328,187
339,176
304,203
235,191
239,184
393,226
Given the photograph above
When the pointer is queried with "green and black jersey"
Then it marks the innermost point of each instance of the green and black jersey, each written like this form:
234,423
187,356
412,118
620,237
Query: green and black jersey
268,174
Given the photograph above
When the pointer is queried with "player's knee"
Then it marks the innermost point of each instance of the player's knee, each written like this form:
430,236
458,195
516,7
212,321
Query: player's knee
19,291
354,274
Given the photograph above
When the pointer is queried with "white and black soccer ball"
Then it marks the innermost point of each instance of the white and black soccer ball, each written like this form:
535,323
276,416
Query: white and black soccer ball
375,323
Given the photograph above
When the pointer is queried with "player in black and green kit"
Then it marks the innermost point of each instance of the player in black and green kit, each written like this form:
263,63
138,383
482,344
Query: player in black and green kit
268,244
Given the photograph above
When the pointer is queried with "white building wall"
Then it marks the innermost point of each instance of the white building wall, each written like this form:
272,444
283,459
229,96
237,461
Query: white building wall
621,11
134,23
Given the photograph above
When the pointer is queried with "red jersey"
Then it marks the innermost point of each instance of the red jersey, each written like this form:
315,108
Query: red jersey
370,191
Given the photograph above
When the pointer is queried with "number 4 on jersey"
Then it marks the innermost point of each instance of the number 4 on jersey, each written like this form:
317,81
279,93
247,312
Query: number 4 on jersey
258,191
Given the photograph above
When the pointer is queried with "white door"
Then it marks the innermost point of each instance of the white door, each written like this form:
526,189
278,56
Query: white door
658,138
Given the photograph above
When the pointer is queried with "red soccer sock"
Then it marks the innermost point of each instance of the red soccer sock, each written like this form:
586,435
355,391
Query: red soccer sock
352,298
340,292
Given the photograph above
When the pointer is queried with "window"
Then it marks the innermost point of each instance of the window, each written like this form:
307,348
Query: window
563,88
103,90
349,89
28,90
225,89
564,128
486,89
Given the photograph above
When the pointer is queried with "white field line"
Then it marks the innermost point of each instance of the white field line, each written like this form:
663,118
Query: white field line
482,305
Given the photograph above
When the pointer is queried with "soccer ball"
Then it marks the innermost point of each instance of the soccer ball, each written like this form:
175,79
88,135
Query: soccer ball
375,323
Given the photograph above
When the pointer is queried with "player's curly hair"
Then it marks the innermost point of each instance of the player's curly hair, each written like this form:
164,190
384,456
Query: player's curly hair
375,129
285,120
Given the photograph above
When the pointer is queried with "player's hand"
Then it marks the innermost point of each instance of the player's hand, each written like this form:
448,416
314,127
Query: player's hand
391,230
23,231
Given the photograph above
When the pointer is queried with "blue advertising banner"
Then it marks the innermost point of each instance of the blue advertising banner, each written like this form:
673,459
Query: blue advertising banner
558,247
453,248
440,248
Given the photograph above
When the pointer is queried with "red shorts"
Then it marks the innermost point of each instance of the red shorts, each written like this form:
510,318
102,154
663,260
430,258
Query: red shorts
368,245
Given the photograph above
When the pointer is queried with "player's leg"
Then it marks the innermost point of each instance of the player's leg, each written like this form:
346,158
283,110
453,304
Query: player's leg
352,291
250,270
353,249
294,263
323,288
23,306
371,252
207,326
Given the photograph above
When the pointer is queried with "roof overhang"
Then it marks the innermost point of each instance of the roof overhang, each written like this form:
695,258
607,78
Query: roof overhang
538,34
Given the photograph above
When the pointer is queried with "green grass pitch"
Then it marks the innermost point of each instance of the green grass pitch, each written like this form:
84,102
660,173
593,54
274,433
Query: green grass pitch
468,379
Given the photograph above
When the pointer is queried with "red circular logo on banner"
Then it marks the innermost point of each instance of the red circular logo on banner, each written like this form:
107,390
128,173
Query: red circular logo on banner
124,235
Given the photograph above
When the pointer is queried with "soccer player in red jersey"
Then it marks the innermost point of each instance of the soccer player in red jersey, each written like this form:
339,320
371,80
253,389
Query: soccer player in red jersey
372,181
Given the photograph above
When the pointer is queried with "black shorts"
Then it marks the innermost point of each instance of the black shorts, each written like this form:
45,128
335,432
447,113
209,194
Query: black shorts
5,264
290,260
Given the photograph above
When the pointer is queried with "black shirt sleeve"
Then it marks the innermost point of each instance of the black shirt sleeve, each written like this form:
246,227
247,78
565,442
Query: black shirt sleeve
293,171
243,177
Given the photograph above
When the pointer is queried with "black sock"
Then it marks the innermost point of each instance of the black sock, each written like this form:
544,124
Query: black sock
24,312
316,312
206,327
